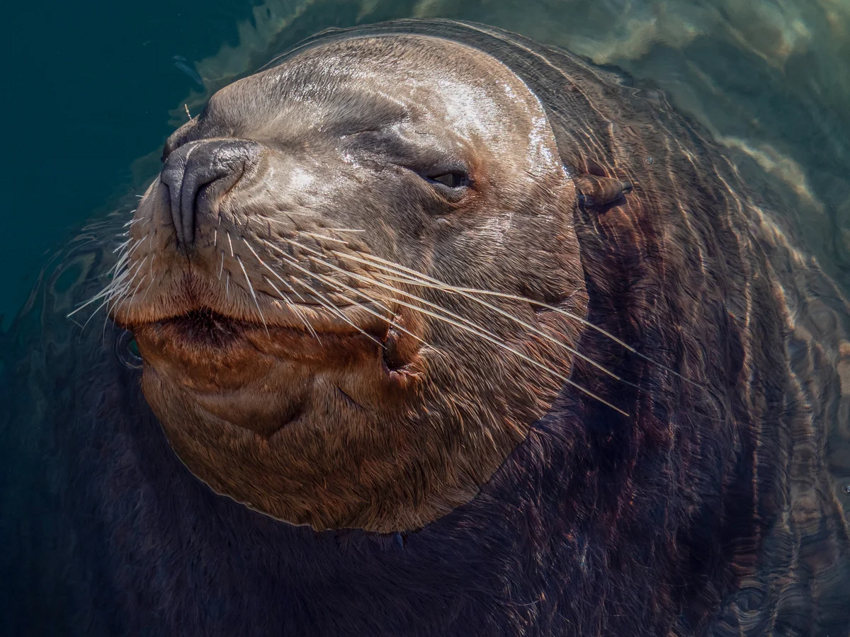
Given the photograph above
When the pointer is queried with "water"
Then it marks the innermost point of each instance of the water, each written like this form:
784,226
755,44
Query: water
90,95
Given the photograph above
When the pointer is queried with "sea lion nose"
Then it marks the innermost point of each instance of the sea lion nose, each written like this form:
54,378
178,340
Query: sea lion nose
197,175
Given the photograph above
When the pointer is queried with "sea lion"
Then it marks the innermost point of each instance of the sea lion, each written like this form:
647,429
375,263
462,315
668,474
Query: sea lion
399,377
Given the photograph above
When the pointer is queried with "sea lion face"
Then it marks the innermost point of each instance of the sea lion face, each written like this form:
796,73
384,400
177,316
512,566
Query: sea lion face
310,281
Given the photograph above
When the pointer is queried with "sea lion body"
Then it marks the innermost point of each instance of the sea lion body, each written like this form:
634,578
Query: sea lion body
697,497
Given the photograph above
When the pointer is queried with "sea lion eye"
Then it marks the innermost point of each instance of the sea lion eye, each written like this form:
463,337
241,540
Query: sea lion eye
452,180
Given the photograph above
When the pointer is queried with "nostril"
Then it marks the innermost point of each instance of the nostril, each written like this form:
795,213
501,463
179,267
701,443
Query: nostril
191,168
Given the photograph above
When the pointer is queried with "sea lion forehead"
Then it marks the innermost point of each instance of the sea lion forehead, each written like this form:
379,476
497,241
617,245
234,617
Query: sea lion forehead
395,78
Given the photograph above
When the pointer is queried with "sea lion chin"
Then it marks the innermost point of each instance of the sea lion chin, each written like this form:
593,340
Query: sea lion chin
312,282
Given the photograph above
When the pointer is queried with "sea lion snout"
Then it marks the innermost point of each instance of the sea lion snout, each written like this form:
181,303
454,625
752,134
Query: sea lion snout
198,175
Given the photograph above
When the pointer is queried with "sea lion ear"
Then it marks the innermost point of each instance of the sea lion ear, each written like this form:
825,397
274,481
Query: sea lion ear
594,191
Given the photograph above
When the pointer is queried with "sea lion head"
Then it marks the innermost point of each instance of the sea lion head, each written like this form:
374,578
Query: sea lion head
355,283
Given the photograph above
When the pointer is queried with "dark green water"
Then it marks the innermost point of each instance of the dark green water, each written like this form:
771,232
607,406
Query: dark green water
94,88
89,93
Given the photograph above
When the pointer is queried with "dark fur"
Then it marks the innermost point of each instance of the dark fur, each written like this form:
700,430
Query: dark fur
709,511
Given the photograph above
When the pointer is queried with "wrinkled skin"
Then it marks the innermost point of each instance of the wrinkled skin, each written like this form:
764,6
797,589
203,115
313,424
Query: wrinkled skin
696,492
362,422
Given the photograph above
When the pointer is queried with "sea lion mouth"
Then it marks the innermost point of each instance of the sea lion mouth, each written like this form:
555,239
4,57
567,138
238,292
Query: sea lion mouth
206,330
261,377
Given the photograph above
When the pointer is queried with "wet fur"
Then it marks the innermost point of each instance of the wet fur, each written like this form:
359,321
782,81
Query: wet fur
710,510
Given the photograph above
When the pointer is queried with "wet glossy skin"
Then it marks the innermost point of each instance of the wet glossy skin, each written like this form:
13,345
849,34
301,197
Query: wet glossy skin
271,206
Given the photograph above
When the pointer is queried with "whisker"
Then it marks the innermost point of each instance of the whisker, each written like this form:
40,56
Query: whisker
122,260
513,351
150,285
109,289
321,236
135,247
281,294
396,290
108,294
253,294
508,315
344,230
469,292
93,314
330,305
120,300
133,272
121,246
280,278
292,307
384,318
476,330
332,282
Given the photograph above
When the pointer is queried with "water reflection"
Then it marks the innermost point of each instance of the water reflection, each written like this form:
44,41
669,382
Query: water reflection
181,63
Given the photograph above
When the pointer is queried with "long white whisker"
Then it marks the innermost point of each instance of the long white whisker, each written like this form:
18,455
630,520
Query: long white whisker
327,303
292,307
508,348
330,305
122,245
133,272
321,236
488,336
108,290
281,294
332,282
93,314
519,321
253,294
120,300
478,332
470,292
